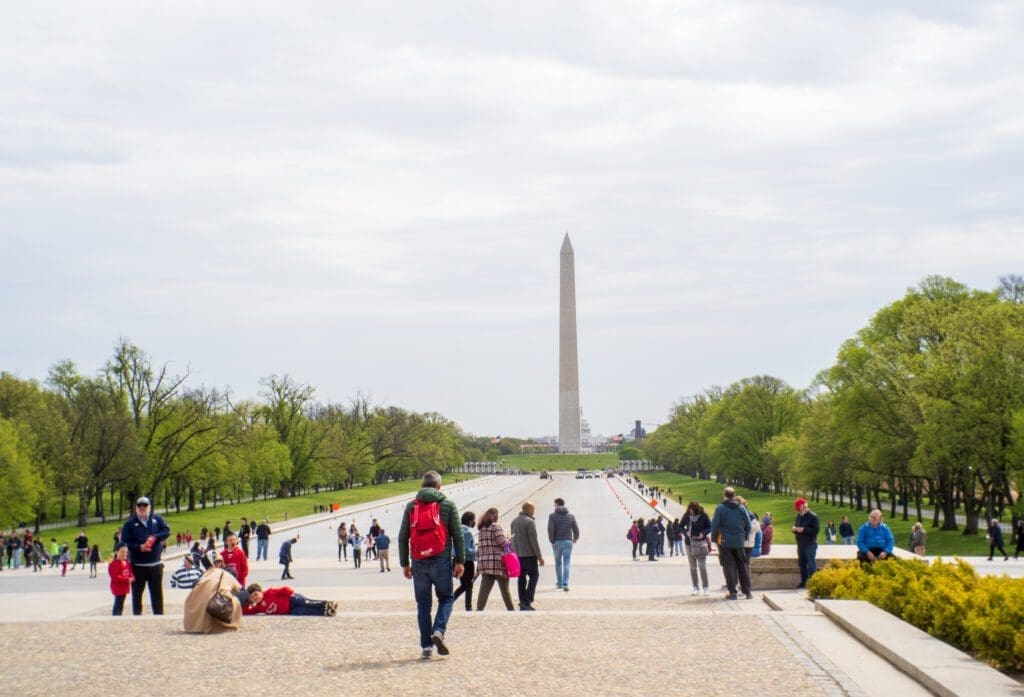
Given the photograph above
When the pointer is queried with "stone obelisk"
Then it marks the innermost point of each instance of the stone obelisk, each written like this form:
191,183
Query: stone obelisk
568,363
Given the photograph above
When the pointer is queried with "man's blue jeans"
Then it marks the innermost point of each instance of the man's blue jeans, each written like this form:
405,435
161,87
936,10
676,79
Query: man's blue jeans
563,552
434,573
261,549
807,557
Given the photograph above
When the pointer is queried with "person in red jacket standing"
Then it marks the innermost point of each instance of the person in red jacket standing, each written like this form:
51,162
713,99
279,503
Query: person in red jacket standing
284,601
234,559
121,578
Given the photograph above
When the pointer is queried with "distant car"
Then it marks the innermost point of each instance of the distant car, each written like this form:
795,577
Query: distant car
579,476
588,475
545,475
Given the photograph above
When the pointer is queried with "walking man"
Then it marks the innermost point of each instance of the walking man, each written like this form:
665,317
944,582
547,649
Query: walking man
731,525
806,530
527,548
563,533
145,534
284,557
430,532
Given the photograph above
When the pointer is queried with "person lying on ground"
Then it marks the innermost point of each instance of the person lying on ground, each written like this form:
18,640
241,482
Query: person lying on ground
284,601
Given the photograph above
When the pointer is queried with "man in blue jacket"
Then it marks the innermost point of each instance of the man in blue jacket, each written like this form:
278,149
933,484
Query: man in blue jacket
730,527
874,539
145,534
805,529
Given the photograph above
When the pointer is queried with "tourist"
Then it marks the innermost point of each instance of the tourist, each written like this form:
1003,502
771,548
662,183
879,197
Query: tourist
121,577
262,539
284,601
767,534
342,542
696,525
370,547
356,540
651,538
874,539
14,550
563,533
94,560
995,539
234,558
427,562
730,526
145,534
752,536
65,559
830,532
677,537
216,581
383,544
187,575
806,531
846,530
55,553
244,533
489,557
918,539
284,556
661,536
527,548
1019,535
81,550
469,568
633,535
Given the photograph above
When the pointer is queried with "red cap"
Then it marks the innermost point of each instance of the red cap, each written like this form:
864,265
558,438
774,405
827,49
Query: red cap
798,503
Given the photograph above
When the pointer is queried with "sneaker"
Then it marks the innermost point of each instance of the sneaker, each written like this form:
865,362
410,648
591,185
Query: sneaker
426,655
695,591
707,591
749,596
438,639
731,596
565,588
331,608
526,608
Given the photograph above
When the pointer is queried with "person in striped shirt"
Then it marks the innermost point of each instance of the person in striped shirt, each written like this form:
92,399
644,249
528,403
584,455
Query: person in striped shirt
187,576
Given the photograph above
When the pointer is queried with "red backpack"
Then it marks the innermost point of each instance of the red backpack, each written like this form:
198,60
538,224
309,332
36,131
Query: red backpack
428,534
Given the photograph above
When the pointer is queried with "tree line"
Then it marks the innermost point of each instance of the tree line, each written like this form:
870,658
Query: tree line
97,442
925,404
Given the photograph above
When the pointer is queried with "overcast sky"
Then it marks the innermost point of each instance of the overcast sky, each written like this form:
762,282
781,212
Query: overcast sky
373,199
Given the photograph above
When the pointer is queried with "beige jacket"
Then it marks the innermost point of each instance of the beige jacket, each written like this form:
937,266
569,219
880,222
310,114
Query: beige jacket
197,620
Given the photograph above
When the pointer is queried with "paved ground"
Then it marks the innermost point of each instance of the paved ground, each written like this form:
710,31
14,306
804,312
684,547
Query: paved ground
625,627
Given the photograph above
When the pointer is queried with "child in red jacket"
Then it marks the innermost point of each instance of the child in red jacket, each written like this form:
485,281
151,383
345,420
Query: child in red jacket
121,578
285,601
234,559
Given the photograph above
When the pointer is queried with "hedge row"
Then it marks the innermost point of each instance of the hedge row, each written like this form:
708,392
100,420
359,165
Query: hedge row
983,615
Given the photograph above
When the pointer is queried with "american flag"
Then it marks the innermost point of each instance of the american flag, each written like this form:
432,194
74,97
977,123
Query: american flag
496,440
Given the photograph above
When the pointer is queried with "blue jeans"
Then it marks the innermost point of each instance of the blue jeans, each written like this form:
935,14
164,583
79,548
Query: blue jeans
807,554
432,573
563,552
301,605
261,549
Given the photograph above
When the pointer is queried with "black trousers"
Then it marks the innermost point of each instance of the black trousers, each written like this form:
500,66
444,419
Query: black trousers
466,586
153,576
735,568
529,575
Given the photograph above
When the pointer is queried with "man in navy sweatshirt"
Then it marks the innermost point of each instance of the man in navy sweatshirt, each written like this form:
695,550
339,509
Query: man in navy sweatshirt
145,534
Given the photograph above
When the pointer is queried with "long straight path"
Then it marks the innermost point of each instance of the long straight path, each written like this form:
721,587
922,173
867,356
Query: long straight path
625,627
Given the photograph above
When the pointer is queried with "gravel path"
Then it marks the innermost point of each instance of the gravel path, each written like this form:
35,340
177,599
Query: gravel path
590,652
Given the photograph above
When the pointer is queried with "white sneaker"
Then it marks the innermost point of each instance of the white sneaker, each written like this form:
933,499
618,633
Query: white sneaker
706,591
695,591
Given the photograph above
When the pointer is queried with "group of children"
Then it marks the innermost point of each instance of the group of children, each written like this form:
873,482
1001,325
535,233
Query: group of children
376,545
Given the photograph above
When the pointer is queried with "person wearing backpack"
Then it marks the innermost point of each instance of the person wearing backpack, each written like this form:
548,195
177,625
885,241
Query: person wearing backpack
430,532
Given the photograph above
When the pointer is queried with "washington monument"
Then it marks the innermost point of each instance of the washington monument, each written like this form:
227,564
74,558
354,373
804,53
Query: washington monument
568,363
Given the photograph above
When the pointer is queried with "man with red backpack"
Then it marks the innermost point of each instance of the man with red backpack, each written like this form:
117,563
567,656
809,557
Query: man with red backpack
430,531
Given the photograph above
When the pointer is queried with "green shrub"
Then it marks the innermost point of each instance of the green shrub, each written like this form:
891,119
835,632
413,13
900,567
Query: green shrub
995,622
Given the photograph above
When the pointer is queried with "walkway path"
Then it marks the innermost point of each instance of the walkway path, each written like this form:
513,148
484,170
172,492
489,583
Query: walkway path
625,627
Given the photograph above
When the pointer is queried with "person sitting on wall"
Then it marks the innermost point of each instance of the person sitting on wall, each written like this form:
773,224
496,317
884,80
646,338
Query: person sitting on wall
874,539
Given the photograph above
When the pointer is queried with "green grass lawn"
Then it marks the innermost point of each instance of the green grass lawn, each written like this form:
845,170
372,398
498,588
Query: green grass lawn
709,494
273,509
568,461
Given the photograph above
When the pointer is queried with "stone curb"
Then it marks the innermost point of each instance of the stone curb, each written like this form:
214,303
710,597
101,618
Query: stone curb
931,662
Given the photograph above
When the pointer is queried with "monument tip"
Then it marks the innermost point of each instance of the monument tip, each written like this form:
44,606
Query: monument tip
566,244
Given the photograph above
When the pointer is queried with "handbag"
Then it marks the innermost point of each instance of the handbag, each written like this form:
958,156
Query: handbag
220,606
511,561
